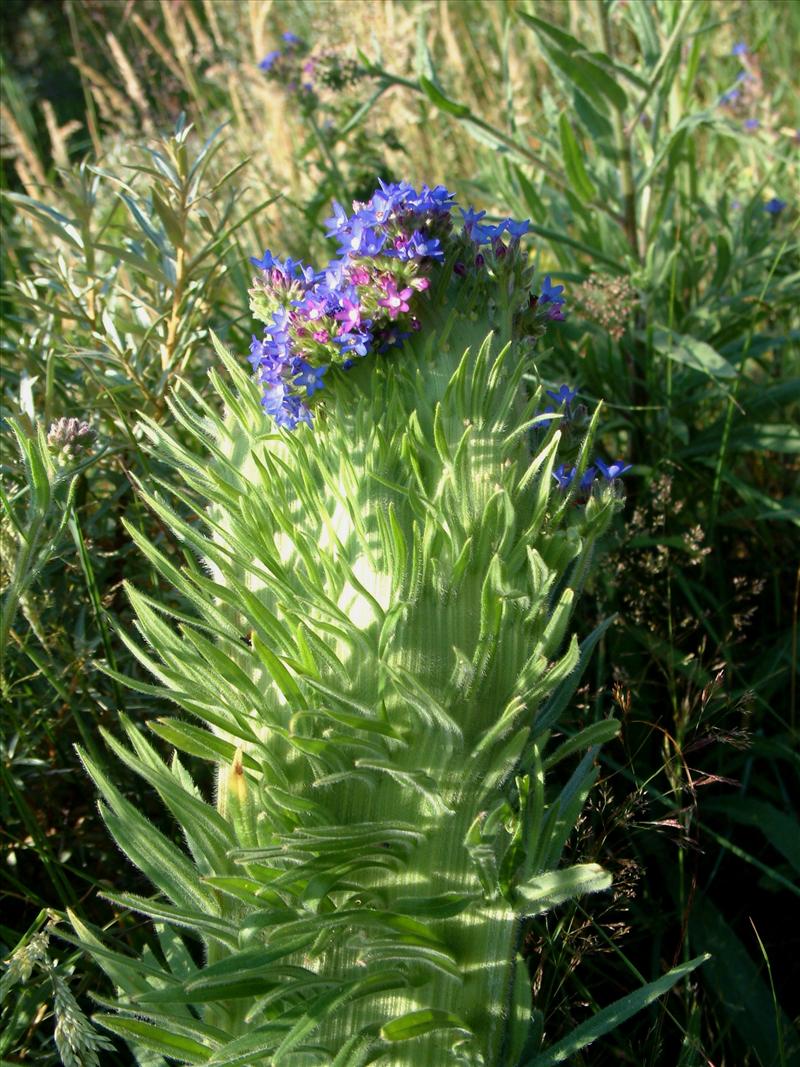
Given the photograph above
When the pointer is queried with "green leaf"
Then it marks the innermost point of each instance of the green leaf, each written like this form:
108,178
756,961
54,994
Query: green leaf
608,1019
779,828
573,162
547,891
554,707
420,1022
156,1038
197,741
568,56
766,437
744,1001
437,97
596,734
699,355
443,906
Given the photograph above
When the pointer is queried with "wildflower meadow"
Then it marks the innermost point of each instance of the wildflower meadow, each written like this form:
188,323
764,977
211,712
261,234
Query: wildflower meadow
400,533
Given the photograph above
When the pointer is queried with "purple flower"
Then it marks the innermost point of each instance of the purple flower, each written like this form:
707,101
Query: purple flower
350,313
613,470
751,124
419,247
338,222
291,38
395,301
739,49
775,206
362,240
551,294
730,97
312,309
269,60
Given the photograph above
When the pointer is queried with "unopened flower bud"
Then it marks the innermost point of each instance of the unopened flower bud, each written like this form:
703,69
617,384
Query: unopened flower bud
68,438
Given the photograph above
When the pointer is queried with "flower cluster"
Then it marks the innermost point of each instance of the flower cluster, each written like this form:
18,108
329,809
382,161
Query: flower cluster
284,65
608,301
297,70
564,400
69,438
565,476
368,297
748,88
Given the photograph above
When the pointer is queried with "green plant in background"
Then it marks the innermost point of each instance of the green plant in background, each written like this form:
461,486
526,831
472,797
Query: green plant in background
35,517
377,663
671,200
112,275
76,1040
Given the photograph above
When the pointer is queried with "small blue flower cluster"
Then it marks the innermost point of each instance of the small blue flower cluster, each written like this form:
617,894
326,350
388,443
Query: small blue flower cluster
297,71
273,61
364,300
733,95
565,476
775,206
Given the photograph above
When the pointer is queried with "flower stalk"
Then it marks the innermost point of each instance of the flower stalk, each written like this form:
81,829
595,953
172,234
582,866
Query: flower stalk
381,652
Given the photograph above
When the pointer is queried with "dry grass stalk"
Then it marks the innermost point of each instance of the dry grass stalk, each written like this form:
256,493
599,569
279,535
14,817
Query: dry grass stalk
26,161
59,135
116,103
132,84
151,38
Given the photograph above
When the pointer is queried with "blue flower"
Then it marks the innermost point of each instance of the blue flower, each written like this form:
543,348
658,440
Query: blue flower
484,235
551,294
266,263
564,396
518,229
269,60
418,247
362,240
775,206
613,470
338,222
291,38
739,49
471,219
730,97
751,124
310,377
355,341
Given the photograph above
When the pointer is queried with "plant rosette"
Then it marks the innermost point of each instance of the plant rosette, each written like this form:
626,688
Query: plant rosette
398,528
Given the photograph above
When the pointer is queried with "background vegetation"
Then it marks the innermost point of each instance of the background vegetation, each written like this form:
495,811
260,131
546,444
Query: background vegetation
145,157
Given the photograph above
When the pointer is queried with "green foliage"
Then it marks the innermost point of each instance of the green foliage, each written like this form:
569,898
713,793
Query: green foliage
383,618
